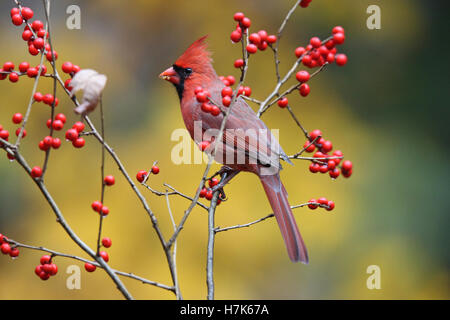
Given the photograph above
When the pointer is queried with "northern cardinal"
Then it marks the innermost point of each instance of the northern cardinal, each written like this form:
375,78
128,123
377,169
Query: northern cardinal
193,69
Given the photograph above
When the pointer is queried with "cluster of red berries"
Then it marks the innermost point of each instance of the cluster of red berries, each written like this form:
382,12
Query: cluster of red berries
24,69
258,41
106,242
140,176
207,193
97,206
6,248
319,52
203,96
46,268
34,32
321,202
4,134
324,164
74,135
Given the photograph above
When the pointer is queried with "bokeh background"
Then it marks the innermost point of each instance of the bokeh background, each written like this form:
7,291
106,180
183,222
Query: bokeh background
386,109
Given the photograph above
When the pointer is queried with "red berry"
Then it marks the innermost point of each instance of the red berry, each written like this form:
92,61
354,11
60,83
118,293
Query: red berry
72,134
331,164
104,255
42,34
302,76
204,145
106,242
48,141
213,182
109,180
231,80
76,68
209,195
24,133
255,38
309,147
45,259
238,16
314,167
155,169
37,25
339,38
314,134
105,211
239,63
330,58
62,117
44,275
79,126
347,174
36,172
203,192
206,107
337,153
67,84
38,43
271,39
5,248
283,102
198,89
17,118
341,59
32,72
14,11
38,97
13,77
215,111
330,205
315,42
48,99
78,143
14,252
58,125
43,146
262,46
27,13
89,267
322,200
17,19
23,67
304,3
299,52
236,36
247,91
4,134
338,29
96,206
304,89
56,143
323,168
140,176
326,146
347,165
67,67
2,238
246,22
202,97
226,101
8,66
334,173
263,35
307,60
251,48
311,205
227,91
50,56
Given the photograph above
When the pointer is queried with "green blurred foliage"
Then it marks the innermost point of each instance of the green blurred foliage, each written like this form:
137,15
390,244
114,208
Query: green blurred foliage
386,110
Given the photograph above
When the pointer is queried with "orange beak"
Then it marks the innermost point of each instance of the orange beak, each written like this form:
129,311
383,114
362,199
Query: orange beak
170,75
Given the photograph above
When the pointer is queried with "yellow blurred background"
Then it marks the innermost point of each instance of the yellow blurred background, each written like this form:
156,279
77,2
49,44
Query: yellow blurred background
384,110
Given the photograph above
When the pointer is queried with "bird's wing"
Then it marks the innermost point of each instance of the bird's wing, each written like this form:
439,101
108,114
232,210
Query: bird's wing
245,133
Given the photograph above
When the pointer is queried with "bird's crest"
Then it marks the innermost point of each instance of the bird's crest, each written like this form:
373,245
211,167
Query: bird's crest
197,57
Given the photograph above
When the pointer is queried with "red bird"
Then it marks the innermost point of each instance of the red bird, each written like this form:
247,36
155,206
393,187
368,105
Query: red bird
193,69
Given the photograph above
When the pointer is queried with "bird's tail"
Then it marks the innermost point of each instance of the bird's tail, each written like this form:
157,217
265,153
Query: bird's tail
277,195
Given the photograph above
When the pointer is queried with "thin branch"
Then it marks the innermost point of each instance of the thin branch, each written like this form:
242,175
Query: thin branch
64,255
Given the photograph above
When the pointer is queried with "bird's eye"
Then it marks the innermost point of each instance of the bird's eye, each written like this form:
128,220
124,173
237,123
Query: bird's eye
188,71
